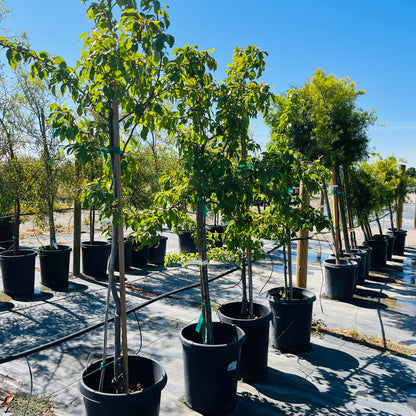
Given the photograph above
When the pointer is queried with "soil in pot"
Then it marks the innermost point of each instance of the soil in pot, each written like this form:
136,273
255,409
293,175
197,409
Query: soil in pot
157,251
18,272
147,379
253,364
292,319
340,278
54,267
95,258
212,371
187,242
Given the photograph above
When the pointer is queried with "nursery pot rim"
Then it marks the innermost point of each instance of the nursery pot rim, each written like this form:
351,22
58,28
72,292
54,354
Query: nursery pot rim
187,342
23,252
307,295
62,248
89,392
246,321
88,243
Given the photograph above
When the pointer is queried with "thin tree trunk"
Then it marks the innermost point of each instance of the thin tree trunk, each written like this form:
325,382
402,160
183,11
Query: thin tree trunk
336,210
118,241
76,251
349,207
289,265
250,283
244,299
49,174
328,209
203,274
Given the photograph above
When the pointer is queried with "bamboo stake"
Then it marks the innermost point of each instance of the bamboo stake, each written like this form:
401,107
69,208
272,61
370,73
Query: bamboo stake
336,211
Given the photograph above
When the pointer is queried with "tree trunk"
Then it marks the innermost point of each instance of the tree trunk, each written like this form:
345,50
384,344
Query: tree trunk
349,207
203,274
336,210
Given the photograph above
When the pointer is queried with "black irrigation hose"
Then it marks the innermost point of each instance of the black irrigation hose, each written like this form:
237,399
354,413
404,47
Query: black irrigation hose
98,325
132,310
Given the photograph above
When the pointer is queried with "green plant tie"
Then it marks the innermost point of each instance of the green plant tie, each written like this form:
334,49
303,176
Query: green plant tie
102,366
113,150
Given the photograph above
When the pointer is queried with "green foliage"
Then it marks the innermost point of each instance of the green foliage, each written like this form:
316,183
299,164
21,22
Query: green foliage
282,169
322,120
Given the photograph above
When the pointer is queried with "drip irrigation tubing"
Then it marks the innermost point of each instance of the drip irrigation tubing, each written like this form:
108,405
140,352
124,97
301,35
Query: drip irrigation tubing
100,324
132,310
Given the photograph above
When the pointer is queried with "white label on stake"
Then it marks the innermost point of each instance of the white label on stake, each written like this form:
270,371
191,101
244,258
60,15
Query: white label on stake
232,366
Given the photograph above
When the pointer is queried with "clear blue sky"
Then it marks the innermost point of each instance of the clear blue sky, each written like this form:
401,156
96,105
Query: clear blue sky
371,41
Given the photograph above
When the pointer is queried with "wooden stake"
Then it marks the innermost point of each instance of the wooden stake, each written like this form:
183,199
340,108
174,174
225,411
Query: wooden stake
302,245
400,200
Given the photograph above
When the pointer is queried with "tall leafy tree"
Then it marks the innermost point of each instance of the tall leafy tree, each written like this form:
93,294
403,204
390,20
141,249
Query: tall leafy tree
119,77
322,120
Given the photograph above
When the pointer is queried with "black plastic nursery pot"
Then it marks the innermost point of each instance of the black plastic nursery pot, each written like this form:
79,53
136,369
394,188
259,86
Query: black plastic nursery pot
139,257
378,244
211,231
157,252
362,264
187,242
95,258
354,257
400,241
391,242
6,231
54,267
253,364
18,272
128,248
292,319
340,278
368,250
212,370
149,373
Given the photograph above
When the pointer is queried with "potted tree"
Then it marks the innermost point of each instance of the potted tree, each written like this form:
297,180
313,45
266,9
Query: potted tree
236,193
211,350
119,77
15,261
54,258
285,215
322,120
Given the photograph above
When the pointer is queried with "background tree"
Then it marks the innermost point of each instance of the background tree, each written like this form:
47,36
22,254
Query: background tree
323,121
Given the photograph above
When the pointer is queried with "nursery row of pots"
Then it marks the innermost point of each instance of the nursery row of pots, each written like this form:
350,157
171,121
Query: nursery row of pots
342,276
18,270
212,371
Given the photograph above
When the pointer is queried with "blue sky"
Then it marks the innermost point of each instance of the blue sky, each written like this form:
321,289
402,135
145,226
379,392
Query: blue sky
372,42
